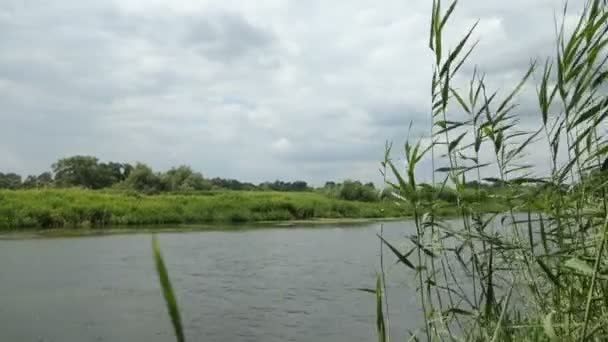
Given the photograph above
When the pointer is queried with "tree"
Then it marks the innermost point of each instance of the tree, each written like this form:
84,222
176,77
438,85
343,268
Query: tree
143,179
355,191
387,194
299,186
231,184
30,181
184,179
77,171
10,181
86,171
330,185
195,182
43,180
285,186
111,173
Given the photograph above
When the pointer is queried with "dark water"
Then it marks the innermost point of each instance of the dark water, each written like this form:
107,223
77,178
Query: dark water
291,284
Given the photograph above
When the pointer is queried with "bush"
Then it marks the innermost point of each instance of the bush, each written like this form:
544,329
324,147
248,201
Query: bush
356,191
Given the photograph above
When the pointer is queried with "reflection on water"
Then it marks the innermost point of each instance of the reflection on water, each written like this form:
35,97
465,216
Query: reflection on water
291,284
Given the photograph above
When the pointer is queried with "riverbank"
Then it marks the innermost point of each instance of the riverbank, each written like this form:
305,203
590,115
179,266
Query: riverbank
78,208
21,234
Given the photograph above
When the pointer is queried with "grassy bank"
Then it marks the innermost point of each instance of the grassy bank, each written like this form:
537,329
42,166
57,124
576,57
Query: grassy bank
73,208
66,208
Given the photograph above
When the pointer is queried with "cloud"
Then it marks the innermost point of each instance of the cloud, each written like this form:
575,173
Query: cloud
272,89
282,145
227,36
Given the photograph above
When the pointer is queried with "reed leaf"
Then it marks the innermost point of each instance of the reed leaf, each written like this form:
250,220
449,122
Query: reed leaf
167,289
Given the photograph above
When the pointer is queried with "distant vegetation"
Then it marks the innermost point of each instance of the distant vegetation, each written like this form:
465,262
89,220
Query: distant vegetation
88,172
83,192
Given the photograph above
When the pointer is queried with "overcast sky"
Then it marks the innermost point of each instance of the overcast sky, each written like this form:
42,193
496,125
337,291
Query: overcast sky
254,90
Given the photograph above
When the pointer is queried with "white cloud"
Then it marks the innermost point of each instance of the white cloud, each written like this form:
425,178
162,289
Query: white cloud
264,118
281,145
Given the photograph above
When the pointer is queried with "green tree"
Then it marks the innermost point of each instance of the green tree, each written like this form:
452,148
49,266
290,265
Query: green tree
45,179
195,182
387,194
86,171
10,181
183,178
112,173
356,191
231,184
285,186
143,179
30,182
77,171
330,185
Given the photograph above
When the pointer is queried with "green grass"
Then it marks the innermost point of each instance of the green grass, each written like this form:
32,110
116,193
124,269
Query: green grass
78,208
71,208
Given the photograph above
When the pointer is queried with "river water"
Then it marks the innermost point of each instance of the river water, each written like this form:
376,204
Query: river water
275,284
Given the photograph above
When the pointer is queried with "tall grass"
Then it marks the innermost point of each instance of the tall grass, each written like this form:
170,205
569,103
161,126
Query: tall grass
73,208
517,275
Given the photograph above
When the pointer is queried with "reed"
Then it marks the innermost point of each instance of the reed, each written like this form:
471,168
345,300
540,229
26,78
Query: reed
522,274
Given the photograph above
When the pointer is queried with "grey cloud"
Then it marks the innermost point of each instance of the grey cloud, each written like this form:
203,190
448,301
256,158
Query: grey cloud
325,151
399,114
226,36
217,84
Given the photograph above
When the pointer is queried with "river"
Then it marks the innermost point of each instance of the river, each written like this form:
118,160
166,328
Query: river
274,284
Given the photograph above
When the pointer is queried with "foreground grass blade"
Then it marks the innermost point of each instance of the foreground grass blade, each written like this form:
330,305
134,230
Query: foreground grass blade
380,324
548,327
167,289
401,257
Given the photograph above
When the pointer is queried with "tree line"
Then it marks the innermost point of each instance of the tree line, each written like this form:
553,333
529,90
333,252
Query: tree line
89,172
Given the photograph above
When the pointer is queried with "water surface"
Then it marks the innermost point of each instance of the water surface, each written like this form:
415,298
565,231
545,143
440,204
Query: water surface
280,284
